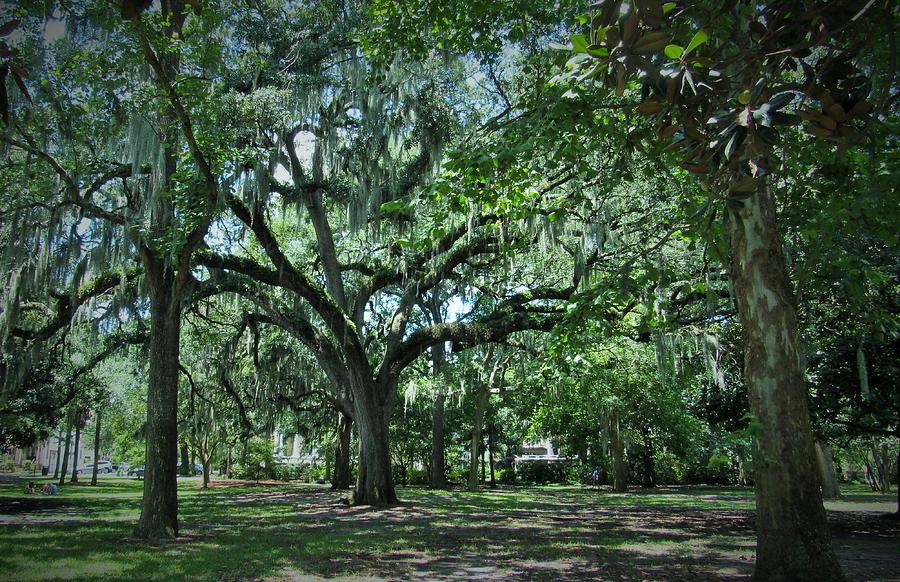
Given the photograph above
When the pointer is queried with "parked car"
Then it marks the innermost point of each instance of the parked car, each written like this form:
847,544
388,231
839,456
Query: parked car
198,469
102,467
136,472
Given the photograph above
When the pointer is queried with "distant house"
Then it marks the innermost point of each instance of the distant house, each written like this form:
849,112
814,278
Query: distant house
44,453
542,451
289,449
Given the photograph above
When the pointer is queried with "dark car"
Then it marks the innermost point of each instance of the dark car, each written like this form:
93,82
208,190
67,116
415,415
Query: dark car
198,469
136,472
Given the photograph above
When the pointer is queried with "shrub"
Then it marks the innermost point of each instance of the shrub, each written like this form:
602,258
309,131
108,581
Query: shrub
541,472
506,476
417,476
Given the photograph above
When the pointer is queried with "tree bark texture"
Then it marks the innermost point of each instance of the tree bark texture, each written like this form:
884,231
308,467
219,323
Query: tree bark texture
648,461
374,483
78,420
185,469
438,439
490,437
96,448
825,462
59,445
617,449
65,459
159,512
474,448
793,541
341,477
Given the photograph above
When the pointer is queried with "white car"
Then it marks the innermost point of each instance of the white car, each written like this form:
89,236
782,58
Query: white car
102,467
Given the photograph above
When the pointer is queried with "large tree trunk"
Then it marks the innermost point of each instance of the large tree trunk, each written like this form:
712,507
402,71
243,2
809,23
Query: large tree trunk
159,512
96,449
793,542
75,459
438,444
474,450
341,477
65,459
827,472
59,445
185,470
649,477
490,437
438,441
374,483
617,448
205,456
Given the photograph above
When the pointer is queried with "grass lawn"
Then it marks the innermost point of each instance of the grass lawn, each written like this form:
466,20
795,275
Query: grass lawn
303,532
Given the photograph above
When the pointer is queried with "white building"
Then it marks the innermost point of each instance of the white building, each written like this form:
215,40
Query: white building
289,449
44,453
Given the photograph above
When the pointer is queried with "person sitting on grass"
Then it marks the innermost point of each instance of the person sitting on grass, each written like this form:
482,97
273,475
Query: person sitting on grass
49,489
30,489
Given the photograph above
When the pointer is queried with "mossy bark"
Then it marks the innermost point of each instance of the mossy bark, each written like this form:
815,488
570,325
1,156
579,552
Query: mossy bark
374,483
159,511
793,541
342,476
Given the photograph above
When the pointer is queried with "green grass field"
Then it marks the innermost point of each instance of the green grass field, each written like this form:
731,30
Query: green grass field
304,532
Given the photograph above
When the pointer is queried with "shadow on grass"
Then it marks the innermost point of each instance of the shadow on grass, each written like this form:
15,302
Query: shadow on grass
287,532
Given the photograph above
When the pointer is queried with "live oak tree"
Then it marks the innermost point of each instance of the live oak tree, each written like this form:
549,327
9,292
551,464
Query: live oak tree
123,157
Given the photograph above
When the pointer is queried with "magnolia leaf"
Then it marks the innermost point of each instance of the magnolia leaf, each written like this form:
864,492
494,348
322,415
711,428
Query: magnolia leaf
579,43
696,168
861,108
669,7
673,51
598,50
701,37
737,138
649,107
836,112
778,101
667,132
620,79
650,43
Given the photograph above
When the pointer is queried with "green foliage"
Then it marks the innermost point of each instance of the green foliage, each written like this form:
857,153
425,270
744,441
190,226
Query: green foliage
259,460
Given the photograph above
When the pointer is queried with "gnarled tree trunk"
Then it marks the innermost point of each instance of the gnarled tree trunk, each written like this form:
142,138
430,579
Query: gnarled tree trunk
374,483
159,511
341,477
793,541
